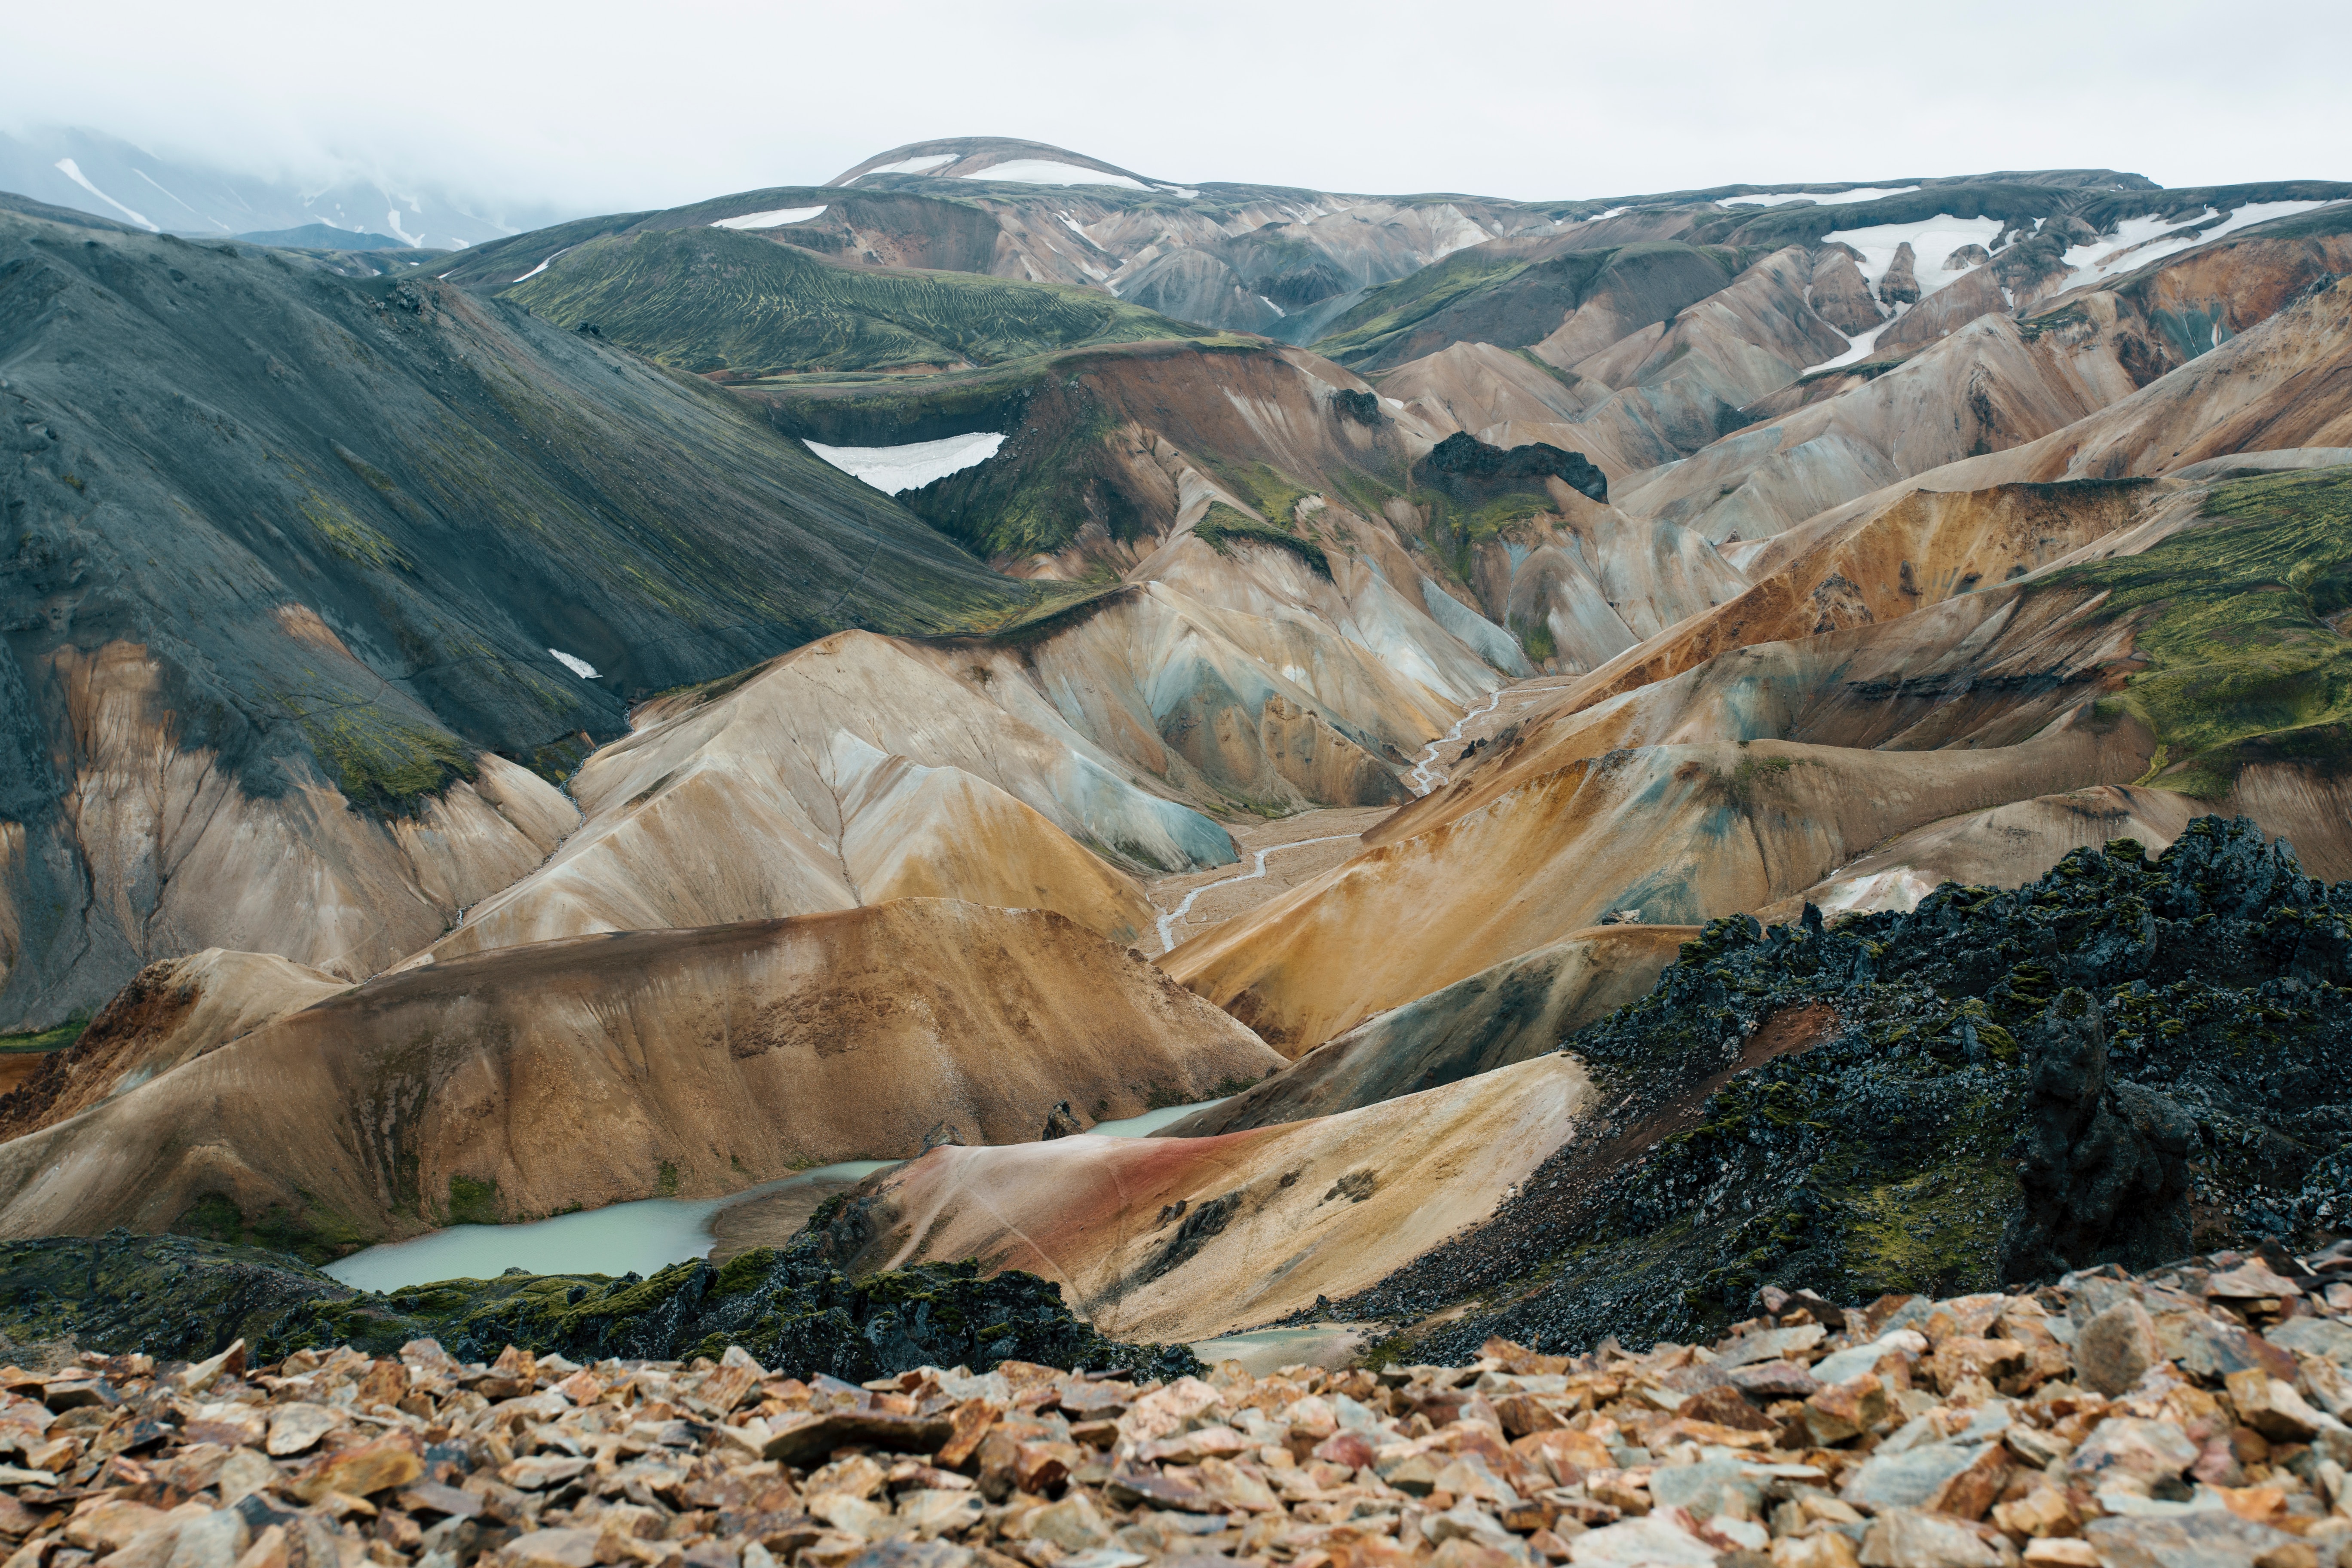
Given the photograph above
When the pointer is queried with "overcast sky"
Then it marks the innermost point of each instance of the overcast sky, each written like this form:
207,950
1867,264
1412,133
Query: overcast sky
593,105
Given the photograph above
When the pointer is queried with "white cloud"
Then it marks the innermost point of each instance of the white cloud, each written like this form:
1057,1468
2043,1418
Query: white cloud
1537,99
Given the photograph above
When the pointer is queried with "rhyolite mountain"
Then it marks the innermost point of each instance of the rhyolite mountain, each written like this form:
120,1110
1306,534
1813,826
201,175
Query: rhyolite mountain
1804,695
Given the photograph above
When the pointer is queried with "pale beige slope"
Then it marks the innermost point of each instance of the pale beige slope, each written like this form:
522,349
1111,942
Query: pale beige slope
1470,387
1985,387
617,1066
1682,832
787,794
1181,1238
188,858
174,1010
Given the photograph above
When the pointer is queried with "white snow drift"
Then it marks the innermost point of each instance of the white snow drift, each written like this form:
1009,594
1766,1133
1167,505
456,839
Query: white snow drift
1931,240
1778,199
775,219
1047,171
911,467
912,165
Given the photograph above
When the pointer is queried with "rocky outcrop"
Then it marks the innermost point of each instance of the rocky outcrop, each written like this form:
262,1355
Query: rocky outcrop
1841,295
1470,470
2104,1175
1898,284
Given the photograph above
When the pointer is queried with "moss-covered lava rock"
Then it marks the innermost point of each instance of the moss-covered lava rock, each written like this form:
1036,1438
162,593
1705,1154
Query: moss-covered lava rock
2121,1061
179,1297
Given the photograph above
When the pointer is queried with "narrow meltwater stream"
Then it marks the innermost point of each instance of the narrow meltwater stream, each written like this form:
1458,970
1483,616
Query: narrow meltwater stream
1168,922
1422,781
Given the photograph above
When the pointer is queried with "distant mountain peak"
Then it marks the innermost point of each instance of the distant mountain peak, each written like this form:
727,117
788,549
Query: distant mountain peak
998,158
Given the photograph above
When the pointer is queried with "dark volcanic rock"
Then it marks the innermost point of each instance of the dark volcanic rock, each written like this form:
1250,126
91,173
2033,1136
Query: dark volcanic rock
174,1296
1900,284
1468,469
2114,1063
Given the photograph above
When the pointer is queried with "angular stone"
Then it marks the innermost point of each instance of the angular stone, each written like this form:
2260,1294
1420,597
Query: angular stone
1706,1489
1906,1538
552,1549
213,1542
1769,1344
1231,1487
540,1471
1909,1479
1648,1542
2115,1348
1970,1492
1771,1380
201,1376
2272,1407
1840,1412
2138,1453
2329,1338
1848,1365
1826,1548
2035,1446
2060,1552
1073,1524
805,1439
930,1513
2207,1539
361,1471
2251,1281
1959,1357
2209,1350
294,1428
1724,1406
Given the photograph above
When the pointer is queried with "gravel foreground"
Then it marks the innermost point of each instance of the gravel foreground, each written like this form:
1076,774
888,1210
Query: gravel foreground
2192,1417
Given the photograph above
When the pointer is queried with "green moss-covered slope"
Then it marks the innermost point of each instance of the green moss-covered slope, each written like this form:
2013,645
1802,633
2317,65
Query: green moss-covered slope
2238,619
714,301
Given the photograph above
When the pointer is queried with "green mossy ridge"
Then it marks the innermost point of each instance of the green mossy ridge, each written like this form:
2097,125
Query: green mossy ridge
1386,316
713,300
1886,1157
1221,528
184,1297
2233,615
56,1037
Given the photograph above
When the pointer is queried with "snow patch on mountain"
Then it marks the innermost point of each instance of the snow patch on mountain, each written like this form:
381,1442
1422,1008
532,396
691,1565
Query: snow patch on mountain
1778,198
1859,344
911,467
774,219
1931,240
1049,172
577,665
2140,240
72,171
912,166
